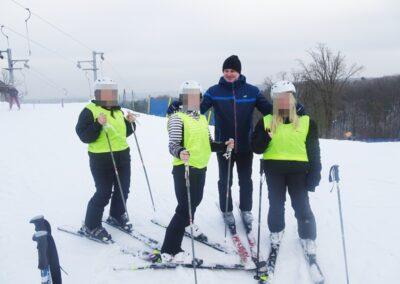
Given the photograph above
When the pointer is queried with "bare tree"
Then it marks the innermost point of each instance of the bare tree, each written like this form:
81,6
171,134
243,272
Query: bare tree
327,74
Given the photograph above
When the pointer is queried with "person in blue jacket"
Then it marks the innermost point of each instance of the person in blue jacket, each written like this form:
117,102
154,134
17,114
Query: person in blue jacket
233,101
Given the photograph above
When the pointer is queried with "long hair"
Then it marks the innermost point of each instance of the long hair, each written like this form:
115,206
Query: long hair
277,119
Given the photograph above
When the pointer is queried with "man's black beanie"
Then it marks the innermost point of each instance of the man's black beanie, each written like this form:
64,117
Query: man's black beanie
232,62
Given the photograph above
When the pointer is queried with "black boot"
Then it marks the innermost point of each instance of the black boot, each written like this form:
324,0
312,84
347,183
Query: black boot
121,222
98,233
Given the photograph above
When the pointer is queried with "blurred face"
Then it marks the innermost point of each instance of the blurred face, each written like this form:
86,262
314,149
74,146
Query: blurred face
231,75
106,98
283,103
191,101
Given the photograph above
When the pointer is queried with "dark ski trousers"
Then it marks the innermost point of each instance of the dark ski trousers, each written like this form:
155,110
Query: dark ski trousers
106,184
244,164
180,220
296,186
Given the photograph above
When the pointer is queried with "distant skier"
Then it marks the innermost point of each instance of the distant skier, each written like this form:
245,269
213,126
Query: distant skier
13,97
189,141
104,115
291,154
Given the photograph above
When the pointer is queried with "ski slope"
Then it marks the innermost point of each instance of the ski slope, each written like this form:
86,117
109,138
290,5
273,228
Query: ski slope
44,170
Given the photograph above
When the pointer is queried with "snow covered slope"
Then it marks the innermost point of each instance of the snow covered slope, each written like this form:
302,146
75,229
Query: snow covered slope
44,170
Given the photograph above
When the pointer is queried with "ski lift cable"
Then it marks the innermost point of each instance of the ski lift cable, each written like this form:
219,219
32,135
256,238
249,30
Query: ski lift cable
48,80
70,37
42,46
118,73
27,31
44,80
55,27
2,31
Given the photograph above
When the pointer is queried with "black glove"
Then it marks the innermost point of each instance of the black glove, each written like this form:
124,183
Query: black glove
260,138
312,181
174,107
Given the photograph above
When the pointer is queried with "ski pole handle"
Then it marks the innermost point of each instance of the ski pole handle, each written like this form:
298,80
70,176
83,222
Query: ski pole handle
228,152
38,221
334,173
40,238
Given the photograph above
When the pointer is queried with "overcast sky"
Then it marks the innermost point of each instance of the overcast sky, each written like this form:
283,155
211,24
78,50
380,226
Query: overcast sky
153,46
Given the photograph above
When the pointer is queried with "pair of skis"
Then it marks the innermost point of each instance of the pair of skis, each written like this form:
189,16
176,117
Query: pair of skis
149,242
247,259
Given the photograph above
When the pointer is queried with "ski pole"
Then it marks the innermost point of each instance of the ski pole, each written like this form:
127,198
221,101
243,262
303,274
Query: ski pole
228,155
41,224
40,238
117,174
334,177
144,168
257,277
187,180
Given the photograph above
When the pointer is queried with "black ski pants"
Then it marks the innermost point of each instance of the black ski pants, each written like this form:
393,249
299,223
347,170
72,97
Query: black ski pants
244,164
105,180
180,220
295,183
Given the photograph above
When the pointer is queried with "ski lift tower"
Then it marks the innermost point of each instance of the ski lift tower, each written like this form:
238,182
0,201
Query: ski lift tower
92,63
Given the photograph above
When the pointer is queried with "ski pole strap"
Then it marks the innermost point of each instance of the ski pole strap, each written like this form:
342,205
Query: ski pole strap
334,173
41,238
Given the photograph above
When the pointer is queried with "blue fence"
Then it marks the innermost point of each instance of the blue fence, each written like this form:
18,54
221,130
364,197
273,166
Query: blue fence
158,107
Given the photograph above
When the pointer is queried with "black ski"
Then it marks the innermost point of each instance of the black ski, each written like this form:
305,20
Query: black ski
151,243
267,276
161,266
79,233
202,239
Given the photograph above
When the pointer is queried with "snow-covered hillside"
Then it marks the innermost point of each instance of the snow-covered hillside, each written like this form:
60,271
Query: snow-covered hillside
44,170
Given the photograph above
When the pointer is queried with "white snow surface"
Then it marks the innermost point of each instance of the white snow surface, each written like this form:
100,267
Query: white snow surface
45,170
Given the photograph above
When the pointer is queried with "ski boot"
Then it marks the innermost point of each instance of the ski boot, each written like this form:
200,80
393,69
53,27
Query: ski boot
229,219
121,222
98,233
197,233
247,218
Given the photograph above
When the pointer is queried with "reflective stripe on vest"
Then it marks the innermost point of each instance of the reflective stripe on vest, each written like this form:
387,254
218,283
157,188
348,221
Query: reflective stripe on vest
287,143
115,128
196,140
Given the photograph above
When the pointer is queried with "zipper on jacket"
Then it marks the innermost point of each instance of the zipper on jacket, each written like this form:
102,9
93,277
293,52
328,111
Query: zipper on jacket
234,116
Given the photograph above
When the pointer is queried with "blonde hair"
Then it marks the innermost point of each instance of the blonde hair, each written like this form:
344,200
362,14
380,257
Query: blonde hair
277,119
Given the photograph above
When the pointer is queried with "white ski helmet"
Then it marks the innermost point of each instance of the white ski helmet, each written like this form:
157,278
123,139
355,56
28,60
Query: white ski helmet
105,84
189,87
106,92
282,87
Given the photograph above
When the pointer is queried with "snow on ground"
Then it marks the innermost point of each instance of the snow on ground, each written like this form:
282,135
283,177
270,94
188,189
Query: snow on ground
44,170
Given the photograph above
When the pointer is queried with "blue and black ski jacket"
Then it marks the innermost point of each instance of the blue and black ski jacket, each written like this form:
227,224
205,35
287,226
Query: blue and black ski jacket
233,105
